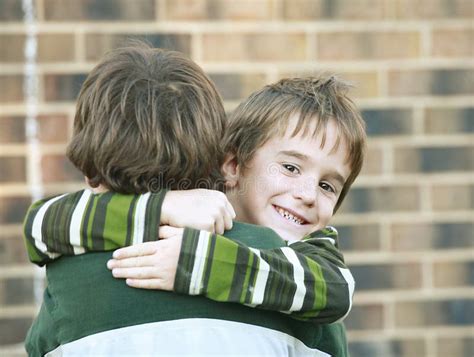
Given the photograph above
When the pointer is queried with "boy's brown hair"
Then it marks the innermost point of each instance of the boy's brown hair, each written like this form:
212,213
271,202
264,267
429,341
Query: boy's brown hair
267,112
146,119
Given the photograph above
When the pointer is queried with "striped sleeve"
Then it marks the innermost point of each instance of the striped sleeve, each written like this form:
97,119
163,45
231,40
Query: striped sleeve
79,222
307,280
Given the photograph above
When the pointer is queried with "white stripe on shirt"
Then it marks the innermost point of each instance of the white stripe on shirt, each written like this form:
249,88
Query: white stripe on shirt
75,228
37,227
261,281
199,263
139,219
298,274
346,273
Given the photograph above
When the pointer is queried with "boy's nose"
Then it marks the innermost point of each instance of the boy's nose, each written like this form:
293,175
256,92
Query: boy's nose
308,193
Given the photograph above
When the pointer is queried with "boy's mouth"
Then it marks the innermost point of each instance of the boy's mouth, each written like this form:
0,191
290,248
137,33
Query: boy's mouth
290,216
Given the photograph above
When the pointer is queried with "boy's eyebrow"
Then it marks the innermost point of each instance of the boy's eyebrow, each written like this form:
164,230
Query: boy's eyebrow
338,177
334,174
294,153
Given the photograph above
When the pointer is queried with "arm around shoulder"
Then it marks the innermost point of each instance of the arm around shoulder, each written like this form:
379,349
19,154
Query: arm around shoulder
307,280
75,223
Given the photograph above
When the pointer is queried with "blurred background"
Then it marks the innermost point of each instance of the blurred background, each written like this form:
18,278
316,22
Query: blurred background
407,226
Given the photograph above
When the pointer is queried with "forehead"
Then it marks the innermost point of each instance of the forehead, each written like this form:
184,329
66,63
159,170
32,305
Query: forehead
309,151
324,132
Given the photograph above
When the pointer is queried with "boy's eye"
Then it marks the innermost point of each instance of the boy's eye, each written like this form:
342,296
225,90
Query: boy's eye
291,168
326,187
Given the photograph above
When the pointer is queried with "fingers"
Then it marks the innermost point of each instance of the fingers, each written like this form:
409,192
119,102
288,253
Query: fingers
156,284
230,209
136,273
228,221
224,219
147,248
219,226
225,215
203,209
169,231
133,262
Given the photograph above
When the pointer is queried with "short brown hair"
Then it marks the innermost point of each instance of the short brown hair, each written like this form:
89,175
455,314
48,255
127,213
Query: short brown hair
267,112
148,118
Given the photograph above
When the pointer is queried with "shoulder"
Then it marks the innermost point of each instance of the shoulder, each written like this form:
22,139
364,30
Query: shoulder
255,236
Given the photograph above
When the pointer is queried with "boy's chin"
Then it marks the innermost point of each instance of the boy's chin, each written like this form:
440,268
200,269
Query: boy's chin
288,235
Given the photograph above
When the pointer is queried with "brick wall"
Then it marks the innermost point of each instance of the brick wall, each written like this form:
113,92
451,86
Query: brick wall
407,226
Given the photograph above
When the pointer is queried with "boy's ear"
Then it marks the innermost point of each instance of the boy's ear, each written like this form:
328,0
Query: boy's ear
88,182
231,171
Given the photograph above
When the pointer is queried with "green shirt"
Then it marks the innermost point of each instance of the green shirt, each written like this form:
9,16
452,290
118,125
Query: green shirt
80,222
307,279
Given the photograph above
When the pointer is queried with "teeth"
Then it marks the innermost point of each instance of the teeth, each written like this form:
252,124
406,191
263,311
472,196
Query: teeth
289,216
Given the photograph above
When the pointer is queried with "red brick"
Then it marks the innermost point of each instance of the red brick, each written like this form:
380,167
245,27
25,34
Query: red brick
365,317
57,168
254,47
378,347
434,159
387,276
52,47
12,129
449,120
16,291
13,209
99,10
98,44
189,10
237,86
453,43
320,9
53,128
242,10
381,199
340,46
12,47
435,82
364,237
388,121
373,163
12,169
12,249
408,237
453,274
62,87
14,88
11,10
459,346
363,84
14,330
430,9
456,312
56,47
452,197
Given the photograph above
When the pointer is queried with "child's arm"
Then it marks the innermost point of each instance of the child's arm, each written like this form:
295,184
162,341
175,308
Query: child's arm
79,222
75,223
307,280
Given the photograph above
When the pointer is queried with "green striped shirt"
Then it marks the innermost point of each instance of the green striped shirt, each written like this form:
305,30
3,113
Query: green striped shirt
306,279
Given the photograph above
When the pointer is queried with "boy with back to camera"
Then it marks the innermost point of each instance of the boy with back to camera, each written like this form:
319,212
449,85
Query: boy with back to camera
91,228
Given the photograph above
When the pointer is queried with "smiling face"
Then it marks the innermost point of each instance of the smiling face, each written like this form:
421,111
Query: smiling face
291,184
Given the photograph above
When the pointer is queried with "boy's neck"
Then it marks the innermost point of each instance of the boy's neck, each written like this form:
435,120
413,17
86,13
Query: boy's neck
98,189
